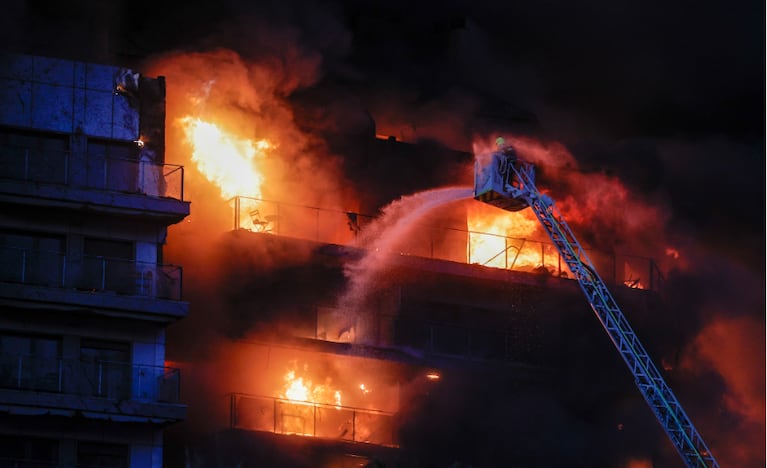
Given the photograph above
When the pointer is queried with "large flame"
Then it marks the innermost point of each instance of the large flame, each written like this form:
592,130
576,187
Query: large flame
229,161
298,389
500,239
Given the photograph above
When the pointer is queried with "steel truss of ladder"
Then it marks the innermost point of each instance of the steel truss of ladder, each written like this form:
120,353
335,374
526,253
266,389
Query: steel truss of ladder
651,384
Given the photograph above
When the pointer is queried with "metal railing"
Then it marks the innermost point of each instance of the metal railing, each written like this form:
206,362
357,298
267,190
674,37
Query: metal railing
98,274
443,243
91,171
103,379
280,416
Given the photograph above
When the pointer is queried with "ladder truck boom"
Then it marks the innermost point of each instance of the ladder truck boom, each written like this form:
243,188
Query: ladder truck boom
509,183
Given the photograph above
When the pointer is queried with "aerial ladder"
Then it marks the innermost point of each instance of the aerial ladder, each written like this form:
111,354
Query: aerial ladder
508,183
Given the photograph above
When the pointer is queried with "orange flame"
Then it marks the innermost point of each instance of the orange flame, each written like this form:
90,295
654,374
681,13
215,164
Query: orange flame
229,161
298,389
499,239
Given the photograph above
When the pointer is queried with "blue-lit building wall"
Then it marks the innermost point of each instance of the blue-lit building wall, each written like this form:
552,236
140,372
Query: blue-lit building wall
85,203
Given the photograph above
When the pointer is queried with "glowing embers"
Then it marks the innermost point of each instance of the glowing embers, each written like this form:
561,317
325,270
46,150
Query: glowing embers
231,162
500,239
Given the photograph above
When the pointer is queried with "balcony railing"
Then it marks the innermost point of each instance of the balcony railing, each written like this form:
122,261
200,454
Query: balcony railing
97,274
91,171
259,413
102,379
443,243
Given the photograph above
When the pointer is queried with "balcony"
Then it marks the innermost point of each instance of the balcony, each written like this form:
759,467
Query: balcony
90,281
112,183
440,242
63,386
341,423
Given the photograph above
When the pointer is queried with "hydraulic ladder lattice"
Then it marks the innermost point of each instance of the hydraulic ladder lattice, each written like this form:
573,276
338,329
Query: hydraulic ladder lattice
510,184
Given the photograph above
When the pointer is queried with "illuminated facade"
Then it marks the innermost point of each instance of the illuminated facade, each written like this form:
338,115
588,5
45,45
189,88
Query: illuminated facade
86,199
441,360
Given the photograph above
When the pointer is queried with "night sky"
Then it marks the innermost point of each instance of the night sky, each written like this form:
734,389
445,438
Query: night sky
668,97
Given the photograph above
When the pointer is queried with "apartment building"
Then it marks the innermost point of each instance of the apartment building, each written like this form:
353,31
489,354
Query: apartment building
439,362
85,297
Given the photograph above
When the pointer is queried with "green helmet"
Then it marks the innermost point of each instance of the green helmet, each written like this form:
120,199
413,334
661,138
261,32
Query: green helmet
499,142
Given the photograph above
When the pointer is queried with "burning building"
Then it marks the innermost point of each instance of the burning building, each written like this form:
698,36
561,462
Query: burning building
86,199
430,347
439,331
312,338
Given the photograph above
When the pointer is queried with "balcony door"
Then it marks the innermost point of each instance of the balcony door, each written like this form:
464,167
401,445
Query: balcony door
106,369
108,265
30,362
113,165
32,258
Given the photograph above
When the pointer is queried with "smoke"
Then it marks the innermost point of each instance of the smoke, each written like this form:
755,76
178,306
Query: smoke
702,244
604,212
244,98
410,118
380,239
731,348
247,99
723,359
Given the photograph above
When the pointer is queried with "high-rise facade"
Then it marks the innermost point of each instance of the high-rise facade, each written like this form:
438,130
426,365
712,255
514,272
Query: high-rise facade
85,202
322,353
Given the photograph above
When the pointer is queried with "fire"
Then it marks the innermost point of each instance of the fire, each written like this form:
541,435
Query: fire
228,161
498,238
298,389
